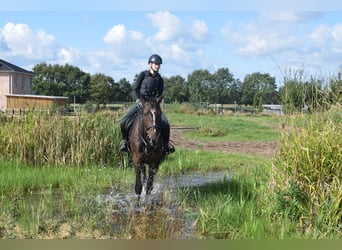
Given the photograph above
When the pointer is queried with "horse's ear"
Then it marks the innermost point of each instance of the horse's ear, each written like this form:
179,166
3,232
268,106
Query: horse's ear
160,98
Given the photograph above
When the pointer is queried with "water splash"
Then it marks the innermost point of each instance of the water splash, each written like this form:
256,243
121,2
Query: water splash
165,188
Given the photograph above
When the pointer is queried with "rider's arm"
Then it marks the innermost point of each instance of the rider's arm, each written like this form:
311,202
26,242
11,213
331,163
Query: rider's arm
137,86
161,87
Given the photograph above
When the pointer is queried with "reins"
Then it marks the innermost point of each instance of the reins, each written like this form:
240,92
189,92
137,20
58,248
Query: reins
142,128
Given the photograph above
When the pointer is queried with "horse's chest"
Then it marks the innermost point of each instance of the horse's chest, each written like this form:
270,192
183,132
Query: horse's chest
152,155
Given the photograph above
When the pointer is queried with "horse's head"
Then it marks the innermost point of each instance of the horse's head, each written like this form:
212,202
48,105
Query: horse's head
152,119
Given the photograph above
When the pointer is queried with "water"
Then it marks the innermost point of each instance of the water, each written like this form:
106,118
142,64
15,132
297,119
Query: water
164,199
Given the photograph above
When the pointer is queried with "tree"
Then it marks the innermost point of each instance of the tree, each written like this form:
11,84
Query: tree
235,92
125,91
175,89
78,82
102,89
220,86
259,88
57,80
198,86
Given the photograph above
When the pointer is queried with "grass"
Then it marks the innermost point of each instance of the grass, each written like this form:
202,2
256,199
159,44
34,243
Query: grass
240,128
233,209
307,173
58,200
186,161
20,178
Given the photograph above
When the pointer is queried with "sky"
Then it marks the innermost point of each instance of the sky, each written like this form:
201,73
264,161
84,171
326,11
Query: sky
117,37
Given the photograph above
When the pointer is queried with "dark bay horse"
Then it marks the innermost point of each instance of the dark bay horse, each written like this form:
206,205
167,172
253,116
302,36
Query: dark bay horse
146,143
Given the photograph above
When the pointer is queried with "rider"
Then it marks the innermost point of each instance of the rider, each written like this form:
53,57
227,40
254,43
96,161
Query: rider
150,84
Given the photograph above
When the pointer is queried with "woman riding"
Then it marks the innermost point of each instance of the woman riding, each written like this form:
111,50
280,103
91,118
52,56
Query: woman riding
148,84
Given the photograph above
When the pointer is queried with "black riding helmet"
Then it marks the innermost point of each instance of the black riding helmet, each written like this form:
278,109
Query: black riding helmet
155,59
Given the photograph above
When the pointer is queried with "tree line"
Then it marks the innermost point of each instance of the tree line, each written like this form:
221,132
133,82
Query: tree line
200,86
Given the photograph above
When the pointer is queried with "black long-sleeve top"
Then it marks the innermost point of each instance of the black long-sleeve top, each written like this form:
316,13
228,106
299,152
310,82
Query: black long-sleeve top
149,85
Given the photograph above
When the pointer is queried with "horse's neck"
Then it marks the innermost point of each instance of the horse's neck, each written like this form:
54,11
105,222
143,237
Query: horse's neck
140,122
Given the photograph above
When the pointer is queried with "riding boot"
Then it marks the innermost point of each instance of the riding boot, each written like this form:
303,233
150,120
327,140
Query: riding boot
169,148
124,142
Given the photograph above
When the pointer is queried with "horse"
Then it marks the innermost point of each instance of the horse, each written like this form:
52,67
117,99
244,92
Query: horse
146,143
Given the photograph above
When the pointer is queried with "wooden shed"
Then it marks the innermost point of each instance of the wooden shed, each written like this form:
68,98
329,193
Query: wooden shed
37,102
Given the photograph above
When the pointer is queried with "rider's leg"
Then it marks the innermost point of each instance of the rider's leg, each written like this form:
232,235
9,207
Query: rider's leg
169,149
125,124
124,133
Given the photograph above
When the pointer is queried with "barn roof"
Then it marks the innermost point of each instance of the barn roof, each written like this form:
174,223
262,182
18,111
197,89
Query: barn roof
38,96
9,67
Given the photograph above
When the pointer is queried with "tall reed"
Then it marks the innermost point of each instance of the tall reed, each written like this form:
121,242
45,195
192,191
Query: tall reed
42,139
307,174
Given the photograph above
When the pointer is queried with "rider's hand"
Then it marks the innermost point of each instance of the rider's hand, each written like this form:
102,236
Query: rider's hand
139,103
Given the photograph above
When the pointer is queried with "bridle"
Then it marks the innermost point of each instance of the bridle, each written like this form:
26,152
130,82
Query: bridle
156,127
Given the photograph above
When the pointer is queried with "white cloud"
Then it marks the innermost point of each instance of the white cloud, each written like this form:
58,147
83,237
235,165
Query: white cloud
169,26
199,30
180,42
292,16
337,38
124,43
289,40
327,41
20,40
321,35
253,38
118,35
68,55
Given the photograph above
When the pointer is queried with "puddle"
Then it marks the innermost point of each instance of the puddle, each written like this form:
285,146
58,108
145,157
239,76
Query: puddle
194,180
162,200
161,185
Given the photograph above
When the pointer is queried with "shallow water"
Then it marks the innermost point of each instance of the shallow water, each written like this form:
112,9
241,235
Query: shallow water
169,183
163,199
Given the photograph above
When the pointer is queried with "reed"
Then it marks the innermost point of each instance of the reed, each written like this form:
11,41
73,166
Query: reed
306,177
43,140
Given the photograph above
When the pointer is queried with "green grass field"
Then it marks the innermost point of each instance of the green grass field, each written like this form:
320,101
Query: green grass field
245,207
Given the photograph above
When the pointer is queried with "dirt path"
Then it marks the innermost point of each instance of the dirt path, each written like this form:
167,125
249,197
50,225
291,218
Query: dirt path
265,149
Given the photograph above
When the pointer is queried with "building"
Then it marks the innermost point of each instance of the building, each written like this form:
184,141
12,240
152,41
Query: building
272,109
16,91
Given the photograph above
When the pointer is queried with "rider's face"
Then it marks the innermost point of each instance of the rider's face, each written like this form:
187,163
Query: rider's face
154,66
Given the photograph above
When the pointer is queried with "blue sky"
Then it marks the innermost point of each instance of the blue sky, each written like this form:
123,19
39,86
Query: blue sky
117,38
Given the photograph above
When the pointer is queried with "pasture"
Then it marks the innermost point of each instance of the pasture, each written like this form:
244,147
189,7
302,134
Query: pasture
62,177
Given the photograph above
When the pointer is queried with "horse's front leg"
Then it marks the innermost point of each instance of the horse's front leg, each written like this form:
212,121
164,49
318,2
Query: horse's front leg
143,171
138,183
152,170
